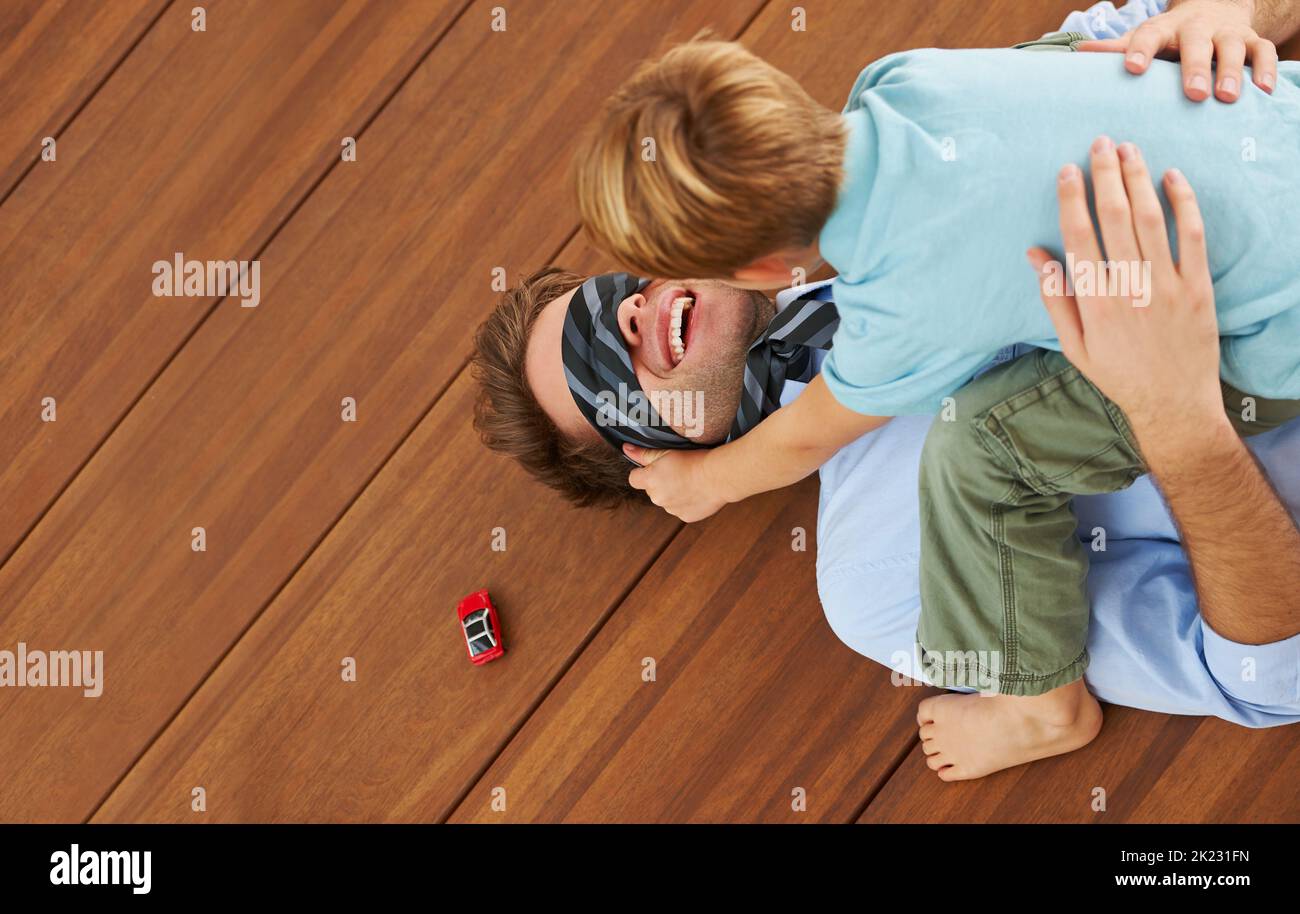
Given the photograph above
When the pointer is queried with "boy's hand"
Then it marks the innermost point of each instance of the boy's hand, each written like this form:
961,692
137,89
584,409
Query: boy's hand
675,481
1154,347
1198,32
785,447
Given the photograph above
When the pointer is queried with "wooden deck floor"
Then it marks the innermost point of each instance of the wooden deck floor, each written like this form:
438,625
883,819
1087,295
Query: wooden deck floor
327,539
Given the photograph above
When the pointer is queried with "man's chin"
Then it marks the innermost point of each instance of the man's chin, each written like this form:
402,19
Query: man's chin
764,311
704,439
712,437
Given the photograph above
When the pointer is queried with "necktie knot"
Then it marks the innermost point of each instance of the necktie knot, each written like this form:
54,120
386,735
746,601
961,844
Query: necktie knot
784,352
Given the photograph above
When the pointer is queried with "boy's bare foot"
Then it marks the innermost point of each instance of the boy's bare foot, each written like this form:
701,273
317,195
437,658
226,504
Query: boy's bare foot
969,736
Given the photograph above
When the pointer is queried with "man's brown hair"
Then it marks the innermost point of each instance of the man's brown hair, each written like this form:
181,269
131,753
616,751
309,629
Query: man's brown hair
745,164
508,417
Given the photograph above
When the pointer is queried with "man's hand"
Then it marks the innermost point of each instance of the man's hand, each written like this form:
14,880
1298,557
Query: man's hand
1160,363
1164,323
675,481
1199,31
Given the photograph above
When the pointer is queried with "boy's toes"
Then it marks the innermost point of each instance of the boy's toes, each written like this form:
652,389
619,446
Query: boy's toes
936,761
925,711
951,773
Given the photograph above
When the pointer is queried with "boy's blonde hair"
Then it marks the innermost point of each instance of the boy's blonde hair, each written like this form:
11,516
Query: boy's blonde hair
745,164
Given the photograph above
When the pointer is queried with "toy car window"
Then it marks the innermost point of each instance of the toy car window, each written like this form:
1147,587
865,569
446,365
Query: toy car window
475,629
481,645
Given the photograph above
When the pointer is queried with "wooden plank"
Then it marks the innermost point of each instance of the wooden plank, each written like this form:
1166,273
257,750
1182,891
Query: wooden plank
53,55
202,143
276,734
550,603
842,38
372,290
756,712
1151,767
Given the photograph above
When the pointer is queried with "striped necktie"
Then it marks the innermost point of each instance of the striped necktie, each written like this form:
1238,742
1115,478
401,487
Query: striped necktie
784,352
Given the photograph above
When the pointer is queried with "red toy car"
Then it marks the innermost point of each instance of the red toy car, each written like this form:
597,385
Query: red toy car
481,628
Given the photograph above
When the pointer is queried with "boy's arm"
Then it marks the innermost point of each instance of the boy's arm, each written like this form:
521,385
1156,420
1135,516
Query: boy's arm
781,450
789,444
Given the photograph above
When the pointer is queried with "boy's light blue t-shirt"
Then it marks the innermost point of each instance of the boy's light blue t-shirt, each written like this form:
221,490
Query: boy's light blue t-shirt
950,176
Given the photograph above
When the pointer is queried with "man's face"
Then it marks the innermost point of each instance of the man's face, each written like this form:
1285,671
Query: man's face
708,367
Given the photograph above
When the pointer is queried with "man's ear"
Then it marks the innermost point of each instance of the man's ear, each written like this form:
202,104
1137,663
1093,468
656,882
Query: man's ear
772,271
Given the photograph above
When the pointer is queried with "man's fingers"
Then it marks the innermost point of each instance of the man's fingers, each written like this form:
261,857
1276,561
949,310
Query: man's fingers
1230,52
1263,63
1145,43
1192,259
1061,308
1148,214
1196,51
1103,45
1114,214
1076,222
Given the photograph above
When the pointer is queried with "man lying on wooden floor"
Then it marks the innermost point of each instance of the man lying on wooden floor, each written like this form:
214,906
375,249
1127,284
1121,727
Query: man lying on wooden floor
664,346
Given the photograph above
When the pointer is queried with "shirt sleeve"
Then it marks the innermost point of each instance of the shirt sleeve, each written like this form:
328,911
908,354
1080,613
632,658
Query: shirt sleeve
888,372
1103,20
1264,675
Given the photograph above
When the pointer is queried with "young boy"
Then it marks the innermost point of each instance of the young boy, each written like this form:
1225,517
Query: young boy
924,195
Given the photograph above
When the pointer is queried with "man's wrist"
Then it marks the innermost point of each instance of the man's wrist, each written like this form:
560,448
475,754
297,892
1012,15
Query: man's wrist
1178,443
1248,8
1247,5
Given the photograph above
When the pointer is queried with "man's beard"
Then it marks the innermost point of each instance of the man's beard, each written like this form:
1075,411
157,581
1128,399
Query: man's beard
723,382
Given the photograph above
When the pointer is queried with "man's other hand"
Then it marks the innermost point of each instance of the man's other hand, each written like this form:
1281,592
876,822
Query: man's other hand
1199,32
1139,326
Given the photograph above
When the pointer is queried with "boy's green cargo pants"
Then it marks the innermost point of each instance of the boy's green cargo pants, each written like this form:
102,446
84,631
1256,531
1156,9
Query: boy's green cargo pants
1003,601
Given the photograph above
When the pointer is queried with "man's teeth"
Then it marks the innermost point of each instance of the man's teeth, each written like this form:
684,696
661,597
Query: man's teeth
680,306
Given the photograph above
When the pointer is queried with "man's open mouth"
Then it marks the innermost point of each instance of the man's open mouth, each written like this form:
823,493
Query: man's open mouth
678,323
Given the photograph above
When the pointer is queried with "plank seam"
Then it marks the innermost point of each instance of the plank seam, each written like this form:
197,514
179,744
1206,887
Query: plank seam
306,556
81,106
573,658
911,744
293,211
